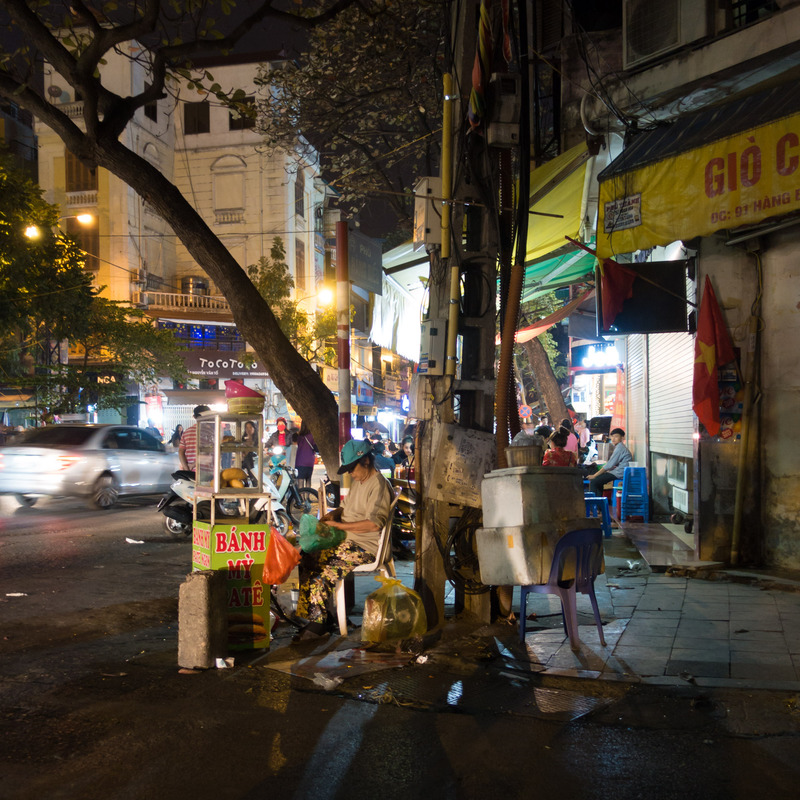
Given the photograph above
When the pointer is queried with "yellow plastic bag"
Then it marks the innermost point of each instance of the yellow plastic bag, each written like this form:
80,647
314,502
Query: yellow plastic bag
392,612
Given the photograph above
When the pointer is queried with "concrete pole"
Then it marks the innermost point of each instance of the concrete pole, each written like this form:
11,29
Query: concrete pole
343,340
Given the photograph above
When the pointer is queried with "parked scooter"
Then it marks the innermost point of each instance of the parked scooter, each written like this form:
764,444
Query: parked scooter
177,506
282,479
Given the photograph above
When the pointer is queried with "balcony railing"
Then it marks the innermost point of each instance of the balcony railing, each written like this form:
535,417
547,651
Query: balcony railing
87,197
72,110
186,302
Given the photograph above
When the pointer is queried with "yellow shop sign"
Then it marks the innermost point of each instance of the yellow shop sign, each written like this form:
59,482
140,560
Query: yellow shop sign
739,180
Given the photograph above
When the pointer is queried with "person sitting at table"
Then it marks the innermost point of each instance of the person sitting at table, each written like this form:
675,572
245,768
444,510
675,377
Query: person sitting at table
557,455
614,468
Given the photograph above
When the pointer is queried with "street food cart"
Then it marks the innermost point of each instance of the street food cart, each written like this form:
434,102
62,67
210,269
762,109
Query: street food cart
228,484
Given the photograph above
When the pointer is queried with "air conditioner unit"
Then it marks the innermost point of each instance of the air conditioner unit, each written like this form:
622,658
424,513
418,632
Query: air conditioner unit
652,28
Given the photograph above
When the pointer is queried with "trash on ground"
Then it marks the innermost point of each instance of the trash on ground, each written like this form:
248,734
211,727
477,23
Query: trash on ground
16,594
320,679
133,541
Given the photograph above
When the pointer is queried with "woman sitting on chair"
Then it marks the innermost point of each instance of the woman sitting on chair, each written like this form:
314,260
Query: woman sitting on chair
558,455
362,517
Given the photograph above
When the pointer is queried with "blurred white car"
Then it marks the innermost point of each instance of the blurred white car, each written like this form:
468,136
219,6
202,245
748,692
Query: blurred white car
98,462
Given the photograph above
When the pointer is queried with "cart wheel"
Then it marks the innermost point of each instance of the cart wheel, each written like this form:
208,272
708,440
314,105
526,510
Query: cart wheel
688,525
677,518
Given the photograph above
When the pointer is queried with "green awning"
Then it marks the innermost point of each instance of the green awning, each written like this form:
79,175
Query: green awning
552,273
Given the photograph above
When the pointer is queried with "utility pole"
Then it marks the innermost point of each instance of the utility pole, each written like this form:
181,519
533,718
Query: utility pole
463,291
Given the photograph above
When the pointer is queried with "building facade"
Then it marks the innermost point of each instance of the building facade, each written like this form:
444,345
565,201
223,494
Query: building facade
699,100
247,196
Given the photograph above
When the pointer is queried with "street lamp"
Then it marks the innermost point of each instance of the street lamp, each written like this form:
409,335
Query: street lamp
33,231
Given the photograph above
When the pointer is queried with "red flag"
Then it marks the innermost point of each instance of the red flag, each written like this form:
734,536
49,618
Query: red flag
712,348
616,286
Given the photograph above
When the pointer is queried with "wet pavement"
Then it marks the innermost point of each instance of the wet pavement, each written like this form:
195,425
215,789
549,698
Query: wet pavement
710,630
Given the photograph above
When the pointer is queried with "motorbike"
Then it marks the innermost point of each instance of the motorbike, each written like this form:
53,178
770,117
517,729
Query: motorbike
177,506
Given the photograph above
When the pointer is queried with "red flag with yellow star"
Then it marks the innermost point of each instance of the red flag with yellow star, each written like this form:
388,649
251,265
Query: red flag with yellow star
712,348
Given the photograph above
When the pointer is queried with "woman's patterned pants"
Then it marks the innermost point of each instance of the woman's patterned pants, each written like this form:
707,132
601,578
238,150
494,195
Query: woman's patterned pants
319,573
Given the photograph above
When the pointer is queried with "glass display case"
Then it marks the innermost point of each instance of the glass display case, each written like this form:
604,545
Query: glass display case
229,441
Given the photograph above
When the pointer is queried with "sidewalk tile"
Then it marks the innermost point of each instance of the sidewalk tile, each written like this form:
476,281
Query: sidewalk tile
646,613
765,623
697,628
777,645
683,642
635,665
635,639
765,659
746,635
660,602
698,668
721,654
743,601
762,672
713,611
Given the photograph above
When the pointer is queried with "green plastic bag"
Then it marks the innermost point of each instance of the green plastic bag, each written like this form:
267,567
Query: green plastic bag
392,612
315,535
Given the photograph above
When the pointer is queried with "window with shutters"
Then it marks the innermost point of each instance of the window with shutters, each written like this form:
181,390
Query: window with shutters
196,118
300,267
80,178
87,237
240,122
300,194
151,109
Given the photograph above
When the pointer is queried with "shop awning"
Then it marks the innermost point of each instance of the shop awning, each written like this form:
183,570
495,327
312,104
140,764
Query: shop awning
14,398
557,187
561,270
724,167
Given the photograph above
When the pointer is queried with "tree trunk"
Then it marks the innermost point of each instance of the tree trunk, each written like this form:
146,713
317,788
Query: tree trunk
548,385
292,374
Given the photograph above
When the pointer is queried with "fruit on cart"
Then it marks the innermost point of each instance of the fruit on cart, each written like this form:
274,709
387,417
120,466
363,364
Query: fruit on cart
233,473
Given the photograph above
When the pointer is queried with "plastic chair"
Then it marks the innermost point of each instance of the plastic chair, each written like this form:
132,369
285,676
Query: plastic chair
598,507
635,500
584,548
383,563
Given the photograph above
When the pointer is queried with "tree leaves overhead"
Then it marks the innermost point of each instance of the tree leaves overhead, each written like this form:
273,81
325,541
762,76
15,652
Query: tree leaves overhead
311,334
367,95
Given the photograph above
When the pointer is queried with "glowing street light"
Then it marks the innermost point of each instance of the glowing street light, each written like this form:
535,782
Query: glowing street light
33,232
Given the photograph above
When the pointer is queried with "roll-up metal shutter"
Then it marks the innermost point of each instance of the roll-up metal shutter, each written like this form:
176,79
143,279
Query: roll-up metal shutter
670,361
636,412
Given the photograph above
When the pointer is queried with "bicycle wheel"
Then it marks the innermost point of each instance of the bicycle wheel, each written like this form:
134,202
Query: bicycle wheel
309,504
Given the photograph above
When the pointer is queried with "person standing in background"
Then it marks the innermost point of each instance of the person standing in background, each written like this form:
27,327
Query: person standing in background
175,439
572,440
187,449
283,436
306,455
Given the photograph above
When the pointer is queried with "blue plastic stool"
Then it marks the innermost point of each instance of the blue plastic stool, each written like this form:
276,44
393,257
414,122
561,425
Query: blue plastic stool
597,507
635,500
